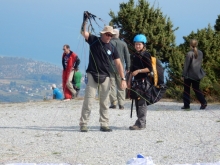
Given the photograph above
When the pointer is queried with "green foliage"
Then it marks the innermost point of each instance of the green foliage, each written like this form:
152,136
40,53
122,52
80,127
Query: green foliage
174,92
141,18
217,24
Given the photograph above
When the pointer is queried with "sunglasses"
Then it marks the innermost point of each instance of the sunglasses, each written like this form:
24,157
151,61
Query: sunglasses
109,35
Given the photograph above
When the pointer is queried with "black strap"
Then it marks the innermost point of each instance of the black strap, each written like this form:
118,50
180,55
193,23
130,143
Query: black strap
132,107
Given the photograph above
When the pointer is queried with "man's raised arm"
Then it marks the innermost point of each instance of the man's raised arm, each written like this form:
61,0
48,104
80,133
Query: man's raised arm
83,27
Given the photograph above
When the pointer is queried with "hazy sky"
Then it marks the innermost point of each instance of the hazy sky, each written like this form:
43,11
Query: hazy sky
38,29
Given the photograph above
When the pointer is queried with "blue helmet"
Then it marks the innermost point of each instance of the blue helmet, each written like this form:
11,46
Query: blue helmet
140,38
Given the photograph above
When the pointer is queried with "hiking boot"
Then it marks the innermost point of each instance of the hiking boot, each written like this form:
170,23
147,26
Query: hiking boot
203,106
185,107
135,127
105,129
113,107
121,107
83,129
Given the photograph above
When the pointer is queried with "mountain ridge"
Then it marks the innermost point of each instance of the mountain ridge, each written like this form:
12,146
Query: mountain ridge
23,67
23,79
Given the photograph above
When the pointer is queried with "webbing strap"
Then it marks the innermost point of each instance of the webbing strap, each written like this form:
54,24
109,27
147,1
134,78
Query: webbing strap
131,107
154,67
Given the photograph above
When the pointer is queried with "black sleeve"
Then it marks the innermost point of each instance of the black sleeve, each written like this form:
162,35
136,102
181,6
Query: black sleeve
63,63
77,62
92,38
115,53
131,63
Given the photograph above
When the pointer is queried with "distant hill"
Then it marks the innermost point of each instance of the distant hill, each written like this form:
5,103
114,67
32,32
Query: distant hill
21,68
24,79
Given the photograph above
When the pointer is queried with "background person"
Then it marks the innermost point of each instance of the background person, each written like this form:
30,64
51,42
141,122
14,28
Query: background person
56,93
77,80
70,61
192,74
140,67
101,51
117,95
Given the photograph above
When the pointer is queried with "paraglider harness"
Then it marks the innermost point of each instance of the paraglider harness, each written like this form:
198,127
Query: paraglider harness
151,88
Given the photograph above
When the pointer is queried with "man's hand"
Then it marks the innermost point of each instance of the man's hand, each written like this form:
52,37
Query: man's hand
85,16
123,85
83,27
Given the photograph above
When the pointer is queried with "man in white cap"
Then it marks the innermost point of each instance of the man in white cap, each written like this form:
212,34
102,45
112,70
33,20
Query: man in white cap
56,93
101,53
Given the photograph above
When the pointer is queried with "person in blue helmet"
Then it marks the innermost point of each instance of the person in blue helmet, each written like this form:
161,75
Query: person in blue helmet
140,69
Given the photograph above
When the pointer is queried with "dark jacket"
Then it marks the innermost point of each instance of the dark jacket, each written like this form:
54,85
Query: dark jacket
73,62
194,70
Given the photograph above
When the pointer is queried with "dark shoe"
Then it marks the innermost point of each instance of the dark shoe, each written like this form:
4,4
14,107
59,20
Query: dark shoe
203,106
83,129
105,129
121,107
135,127
185,107
113,107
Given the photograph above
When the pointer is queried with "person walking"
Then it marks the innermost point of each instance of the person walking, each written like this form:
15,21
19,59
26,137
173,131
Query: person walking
117,95
77,80
140,68
101,52
70,61
192,74
56,93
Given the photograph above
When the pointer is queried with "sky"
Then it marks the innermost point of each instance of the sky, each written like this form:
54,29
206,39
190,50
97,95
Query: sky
38,29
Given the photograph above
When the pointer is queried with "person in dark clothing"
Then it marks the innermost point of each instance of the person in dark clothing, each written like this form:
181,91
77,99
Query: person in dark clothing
192,74
140,68
101,52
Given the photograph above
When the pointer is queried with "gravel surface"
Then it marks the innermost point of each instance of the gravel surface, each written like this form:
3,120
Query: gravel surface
48,132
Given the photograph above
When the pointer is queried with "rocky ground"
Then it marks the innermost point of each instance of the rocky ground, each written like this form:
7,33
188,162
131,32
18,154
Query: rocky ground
48,132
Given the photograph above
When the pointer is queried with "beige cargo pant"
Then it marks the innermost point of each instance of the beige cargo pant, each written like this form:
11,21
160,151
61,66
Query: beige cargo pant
69,84
117,95
90,93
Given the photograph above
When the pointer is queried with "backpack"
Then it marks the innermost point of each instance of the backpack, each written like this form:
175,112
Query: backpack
151,88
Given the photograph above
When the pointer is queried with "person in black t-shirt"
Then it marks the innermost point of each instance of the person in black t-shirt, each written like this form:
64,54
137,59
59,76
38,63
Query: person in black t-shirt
101,54
140,67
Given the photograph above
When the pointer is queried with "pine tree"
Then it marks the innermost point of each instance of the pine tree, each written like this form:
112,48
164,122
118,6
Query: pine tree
143,19
217,24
